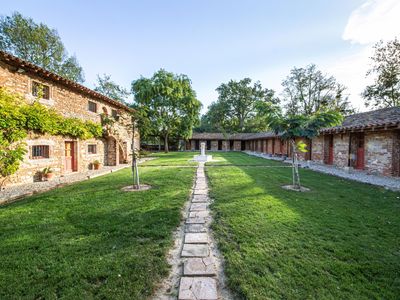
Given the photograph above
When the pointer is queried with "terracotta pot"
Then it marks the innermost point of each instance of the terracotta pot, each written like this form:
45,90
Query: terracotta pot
96,166
49,176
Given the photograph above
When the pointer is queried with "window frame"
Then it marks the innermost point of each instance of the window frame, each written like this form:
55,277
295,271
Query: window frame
90,107
40,152
34,89
94,146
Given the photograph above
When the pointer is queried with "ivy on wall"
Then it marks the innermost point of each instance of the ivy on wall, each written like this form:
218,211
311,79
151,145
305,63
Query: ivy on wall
17,118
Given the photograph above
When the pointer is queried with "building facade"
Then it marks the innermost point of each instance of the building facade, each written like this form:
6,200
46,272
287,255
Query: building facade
64,154
366,141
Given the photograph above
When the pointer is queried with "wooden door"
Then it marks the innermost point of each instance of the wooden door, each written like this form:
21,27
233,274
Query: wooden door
330,153
360,153
69,156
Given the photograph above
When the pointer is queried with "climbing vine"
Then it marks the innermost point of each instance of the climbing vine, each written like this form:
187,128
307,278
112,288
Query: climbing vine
17,118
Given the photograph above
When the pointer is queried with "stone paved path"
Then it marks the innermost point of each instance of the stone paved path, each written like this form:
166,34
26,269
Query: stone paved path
197,271
199,277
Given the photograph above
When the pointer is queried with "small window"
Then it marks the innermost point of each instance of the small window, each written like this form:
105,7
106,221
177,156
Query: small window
92,149
40,89
41,151
92,106
114,114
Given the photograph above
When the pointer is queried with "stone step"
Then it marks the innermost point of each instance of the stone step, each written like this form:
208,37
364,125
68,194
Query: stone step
198,288
195,220
195,228
195,250
199,267
196,238
198,206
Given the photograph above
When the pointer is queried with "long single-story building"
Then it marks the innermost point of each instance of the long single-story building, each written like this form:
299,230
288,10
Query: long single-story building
368,141
65,154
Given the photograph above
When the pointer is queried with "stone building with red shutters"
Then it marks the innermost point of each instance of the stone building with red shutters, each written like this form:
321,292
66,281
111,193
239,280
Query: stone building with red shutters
367,141
65,154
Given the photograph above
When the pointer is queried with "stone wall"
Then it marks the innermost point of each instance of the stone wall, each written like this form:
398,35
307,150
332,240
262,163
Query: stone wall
214,145
341,149
68,103
317,154
237,145
225,145
379,152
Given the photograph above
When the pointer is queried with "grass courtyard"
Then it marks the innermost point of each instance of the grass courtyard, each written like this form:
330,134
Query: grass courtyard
90,240
341,240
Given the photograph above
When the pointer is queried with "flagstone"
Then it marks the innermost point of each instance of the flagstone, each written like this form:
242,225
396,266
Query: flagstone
199,267
199,214
198,288
195,250
200,198
198,206
195,220
200,191
195,228
196,238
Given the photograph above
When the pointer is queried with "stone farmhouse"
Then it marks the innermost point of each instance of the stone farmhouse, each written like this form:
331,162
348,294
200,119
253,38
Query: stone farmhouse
367,141
64,154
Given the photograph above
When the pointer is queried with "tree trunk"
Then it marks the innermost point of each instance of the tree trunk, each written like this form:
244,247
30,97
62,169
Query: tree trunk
295,166
166,143
135,170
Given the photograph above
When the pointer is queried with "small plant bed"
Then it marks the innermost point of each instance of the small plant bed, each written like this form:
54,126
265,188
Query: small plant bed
91,240
340,240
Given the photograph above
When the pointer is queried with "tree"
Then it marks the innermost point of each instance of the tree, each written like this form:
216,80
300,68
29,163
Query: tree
110,89
290,127
38,44
385,92
167,105
240,107
307,91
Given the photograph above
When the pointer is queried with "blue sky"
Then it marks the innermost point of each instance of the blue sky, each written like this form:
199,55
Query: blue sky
215,41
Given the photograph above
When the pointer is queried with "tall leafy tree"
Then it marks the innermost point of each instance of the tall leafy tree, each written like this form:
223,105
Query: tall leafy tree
38,44
167,105
385,91
240,107
110,89
307,91
292,126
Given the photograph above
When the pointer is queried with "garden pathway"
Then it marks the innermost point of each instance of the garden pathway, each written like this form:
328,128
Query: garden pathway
197,271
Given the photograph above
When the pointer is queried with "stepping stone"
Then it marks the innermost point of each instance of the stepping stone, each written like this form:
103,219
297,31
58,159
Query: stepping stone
200,191
199,267
195,220
195,250
195,228
198,288
198,206
196,238
200,198
202,186
199,214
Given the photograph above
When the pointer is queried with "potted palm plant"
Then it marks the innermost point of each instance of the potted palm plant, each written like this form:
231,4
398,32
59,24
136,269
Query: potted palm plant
96,164
47,174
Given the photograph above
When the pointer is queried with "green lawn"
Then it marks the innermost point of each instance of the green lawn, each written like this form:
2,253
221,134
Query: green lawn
238,158
91,240
341,240
172,159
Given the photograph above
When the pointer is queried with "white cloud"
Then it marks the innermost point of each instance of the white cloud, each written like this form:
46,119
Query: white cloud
372,21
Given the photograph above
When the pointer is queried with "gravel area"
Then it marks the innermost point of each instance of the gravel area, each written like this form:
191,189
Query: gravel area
12,193
391,183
